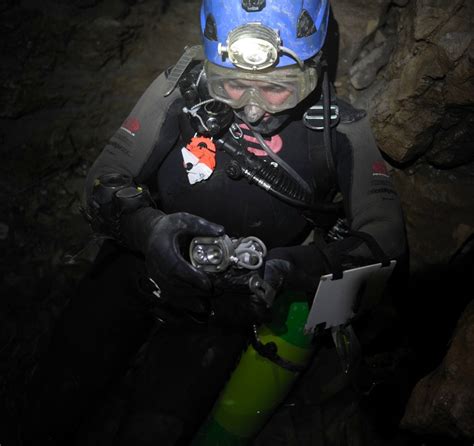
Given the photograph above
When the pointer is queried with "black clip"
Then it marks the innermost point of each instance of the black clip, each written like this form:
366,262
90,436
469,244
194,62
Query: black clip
313,118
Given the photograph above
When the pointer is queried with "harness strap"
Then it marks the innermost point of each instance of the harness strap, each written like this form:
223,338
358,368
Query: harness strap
320,152
270,351
374,247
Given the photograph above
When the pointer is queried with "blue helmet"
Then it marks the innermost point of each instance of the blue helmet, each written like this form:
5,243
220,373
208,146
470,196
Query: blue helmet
276,32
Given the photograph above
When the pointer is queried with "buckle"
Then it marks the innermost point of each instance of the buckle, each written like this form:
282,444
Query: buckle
313,118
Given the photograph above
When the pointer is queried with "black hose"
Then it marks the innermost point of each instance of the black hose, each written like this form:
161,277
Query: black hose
302,183
274,179
327,119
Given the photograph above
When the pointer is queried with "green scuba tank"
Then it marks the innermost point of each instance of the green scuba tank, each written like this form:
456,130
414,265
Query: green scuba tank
258,385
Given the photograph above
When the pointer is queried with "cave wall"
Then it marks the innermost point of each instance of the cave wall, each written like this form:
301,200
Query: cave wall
70,74
411,68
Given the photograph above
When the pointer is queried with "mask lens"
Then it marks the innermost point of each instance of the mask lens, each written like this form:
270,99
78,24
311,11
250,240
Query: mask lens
275,94
270,95
274,91
234,89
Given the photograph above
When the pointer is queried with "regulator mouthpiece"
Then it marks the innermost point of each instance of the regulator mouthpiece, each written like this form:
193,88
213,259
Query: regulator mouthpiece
253,113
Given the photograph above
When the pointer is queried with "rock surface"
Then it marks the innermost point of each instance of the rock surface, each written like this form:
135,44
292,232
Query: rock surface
414,73
70,73
427,79
438,208
358,21
443,401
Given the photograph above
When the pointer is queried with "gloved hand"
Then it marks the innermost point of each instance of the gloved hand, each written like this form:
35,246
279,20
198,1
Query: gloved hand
247,298
233,279
169,240
294,267
275,274
164,239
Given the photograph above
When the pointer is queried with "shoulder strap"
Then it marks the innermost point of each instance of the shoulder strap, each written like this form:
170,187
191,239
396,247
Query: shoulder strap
321,118
167,135
322,162
320,154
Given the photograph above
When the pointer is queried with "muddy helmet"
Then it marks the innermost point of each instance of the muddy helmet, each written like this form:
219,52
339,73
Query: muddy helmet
258,34
256,51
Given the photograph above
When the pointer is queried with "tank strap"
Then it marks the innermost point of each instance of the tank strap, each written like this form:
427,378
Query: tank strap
270,351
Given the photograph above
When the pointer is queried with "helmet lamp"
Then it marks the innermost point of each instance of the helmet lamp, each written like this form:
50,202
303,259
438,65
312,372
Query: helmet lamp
252,47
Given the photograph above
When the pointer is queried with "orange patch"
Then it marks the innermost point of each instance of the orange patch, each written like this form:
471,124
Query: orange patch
204,149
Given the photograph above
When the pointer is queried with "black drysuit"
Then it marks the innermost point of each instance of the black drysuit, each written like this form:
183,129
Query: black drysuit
147,147
150,153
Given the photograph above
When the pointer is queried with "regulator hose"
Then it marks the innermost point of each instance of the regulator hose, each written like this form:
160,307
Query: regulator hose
301,182
327,118
271,177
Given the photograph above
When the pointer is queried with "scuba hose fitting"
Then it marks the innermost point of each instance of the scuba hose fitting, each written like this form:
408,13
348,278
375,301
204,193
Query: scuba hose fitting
207,116
271,176
268,175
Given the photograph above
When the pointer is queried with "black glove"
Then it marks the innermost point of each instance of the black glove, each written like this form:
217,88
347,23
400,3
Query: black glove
234,280
295,267
164,240
275,275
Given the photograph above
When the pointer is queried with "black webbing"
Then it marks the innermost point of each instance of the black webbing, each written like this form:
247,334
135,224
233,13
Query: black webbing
374,247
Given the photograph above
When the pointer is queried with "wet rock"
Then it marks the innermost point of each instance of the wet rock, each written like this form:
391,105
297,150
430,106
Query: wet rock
357,20
431,15
28,61
454,43
407,112
95,44
4,231
420,105
75,185
5,4
429,71
85,3
446,196
364,71
400,2
443,401
460,83
461,136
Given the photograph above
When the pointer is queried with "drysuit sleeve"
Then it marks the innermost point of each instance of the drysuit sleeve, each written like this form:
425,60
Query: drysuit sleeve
119,204
134,152
372,209
142,141
372,205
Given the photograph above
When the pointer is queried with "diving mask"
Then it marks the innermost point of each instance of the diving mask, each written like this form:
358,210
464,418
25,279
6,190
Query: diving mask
272,90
